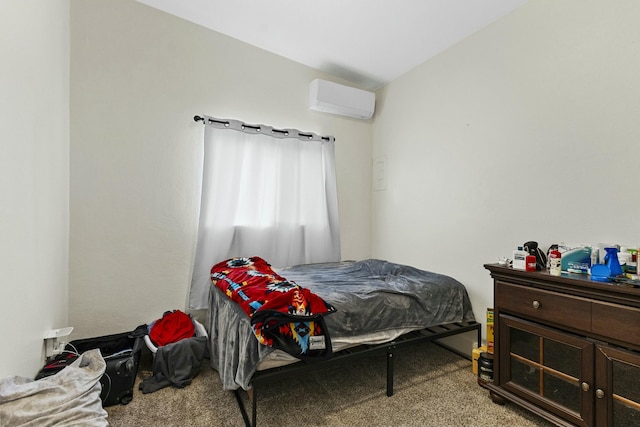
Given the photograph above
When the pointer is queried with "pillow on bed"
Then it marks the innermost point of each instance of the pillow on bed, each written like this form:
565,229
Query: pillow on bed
71,397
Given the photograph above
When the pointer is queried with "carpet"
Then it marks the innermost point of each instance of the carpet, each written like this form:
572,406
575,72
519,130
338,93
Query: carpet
432,387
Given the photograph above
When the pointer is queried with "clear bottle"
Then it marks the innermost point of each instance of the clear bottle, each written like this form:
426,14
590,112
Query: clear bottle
595,255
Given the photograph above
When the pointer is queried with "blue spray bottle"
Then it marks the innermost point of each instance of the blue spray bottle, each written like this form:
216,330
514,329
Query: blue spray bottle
611,259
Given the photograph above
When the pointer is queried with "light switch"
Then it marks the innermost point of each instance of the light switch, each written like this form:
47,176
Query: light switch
379,174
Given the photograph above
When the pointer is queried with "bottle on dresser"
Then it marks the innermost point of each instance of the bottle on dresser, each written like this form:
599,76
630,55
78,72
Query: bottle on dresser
520,259
555,262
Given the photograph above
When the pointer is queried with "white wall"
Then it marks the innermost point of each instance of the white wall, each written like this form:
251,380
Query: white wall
34,179
528,130
138,76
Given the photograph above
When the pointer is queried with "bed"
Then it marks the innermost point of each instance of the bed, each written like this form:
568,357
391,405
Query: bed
373,306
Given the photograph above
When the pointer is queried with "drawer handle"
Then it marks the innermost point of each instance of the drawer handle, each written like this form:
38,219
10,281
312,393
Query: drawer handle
585,387
599,393
536,304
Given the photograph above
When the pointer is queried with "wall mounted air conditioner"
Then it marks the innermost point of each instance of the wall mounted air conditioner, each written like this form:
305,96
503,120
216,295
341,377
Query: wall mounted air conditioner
335,98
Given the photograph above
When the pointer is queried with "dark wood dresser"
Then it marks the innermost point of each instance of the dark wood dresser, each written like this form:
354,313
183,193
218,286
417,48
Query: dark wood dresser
566,347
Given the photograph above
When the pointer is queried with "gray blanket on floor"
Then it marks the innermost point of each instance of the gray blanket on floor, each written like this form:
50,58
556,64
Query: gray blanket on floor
71,397
370,296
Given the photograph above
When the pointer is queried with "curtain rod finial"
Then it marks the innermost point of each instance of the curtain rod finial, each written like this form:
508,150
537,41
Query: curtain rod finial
198,118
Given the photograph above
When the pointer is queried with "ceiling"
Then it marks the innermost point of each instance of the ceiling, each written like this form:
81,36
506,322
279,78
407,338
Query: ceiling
366,42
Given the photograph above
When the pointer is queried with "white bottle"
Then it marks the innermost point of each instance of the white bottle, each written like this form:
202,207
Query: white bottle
555,263
520,259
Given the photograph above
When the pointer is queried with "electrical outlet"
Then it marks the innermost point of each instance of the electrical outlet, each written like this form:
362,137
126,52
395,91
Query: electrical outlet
54,341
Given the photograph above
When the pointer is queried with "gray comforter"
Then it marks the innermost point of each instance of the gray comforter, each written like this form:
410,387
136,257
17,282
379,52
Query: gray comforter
70,398
370,296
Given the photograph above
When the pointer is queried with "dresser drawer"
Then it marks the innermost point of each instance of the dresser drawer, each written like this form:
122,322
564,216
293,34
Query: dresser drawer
544,305
616,321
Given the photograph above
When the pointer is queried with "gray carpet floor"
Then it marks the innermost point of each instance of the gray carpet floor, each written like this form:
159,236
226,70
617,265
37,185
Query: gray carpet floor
433,387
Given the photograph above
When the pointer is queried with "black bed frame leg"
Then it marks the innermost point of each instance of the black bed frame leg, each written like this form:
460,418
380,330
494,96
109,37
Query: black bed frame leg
251,420
254,404
390,371
243,411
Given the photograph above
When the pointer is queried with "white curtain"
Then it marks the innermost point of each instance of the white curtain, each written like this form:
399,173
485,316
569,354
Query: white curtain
265,192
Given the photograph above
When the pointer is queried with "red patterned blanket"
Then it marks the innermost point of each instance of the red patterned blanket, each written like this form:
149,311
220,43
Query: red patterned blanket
283,315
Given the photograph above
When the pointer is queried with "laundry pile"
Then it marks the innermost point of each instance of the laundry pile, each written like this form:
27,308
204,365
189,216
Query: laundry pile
179,344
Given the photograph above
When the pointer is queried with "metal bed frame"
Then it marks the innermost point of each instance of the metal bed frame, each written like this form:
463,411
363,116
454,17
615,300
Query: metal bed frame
423,335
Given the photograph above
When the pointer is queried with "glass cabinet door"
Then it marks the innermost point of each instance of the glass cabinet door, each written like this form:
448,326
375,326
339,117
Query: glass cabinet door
551,368
617,387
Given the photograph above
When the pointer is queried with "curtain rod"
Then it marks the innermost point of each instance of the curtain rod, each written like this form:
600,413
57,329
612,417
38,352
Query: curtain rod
241,126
